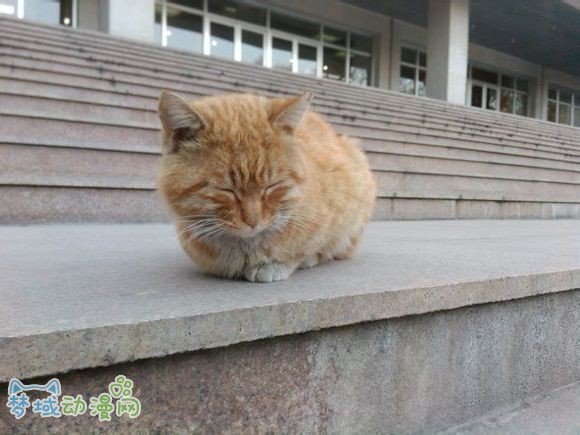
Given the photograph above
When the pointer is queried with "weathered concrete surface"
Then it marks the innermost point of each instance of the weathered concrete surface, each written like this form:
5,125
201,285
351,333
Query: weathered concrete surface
417,373
553,413
89,295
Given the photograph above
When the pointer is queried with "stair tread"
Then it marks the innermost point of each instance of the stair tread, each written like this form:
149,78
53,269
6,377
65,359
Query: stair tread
209,61
402,268
208,83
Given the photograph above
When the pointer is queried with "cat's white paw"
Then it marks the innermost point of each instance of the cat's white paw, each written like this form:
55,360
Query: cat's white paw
269,272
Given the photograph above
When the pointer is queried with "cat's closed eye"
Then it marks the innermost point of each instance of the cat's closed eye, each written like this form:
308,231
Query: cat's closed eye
272,187
228,192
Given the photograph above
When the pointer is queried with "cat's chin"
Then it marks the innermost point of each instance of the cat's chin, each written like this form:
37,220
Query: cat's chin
249,233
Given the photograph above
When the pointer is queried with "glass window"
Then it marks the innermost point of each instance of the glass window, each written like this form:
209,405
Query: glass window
507,101
413,73
361,43
238,10
521,104
476,96
197,4
360,69
565,96
294,25
335,36
44,11
552,94
422,82
552,111
157,26
507,81
491,102
408,55
564,114
307,59
484,76
577,117
222,41
8,7
422,59
281,54
522,85
334,64
184,30
407,80
577,99
252,47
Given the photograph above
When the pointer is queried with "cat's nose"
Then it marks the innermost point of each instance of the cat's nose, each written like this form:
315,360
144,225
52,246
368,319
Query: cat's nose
251,214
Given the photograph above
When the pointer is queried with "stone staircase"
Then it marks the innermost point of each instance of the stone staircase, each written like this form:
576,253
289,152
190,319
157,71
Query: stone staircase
80,143
431,326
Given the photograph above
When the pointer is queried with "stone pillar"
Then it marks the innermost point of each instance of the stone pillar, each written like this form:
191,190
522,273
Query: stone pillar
447,50
382,57
130,19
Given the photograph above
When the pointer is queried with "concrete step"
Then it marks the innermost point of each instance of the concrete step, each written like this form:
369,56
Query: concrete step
62,132
76,204
31,165
541,134
394,131
65,95
132,79
454,165
432,324
80,167
54,204
103,67
406,207
62,166
112,45
100,106
432,185
428,164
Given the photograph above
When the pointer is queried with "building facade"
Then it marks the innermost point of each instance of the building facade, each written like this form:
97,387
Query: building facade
445,49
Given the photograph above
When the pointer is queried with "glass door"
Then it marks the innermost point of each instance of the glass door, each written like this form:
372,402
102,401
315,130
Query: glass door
221,43
296,55
282,54
252,47
483,95
49,11
307,59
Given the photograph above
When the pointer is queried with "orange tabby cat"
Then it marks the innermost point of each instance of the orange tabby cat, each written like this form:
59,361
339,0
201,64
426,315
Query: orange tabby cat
261,186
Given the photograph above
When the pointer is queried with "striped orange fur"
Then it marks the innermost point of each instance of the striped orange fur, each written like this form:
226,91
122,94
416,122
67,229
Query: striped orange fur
261,187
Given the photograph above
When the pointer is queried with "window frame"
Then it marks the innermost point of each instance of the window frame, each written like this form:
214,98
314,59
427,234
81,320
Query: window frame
269,33
21,8
416,66
498,87
573,104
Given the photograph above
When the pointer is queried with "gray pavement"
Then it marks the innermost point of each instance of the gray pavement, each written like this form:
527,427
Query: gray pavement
554,413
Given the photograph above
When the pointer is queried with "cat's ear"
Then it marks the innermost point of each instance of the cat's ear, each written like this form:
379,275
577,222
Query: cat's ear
179,119
288,113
